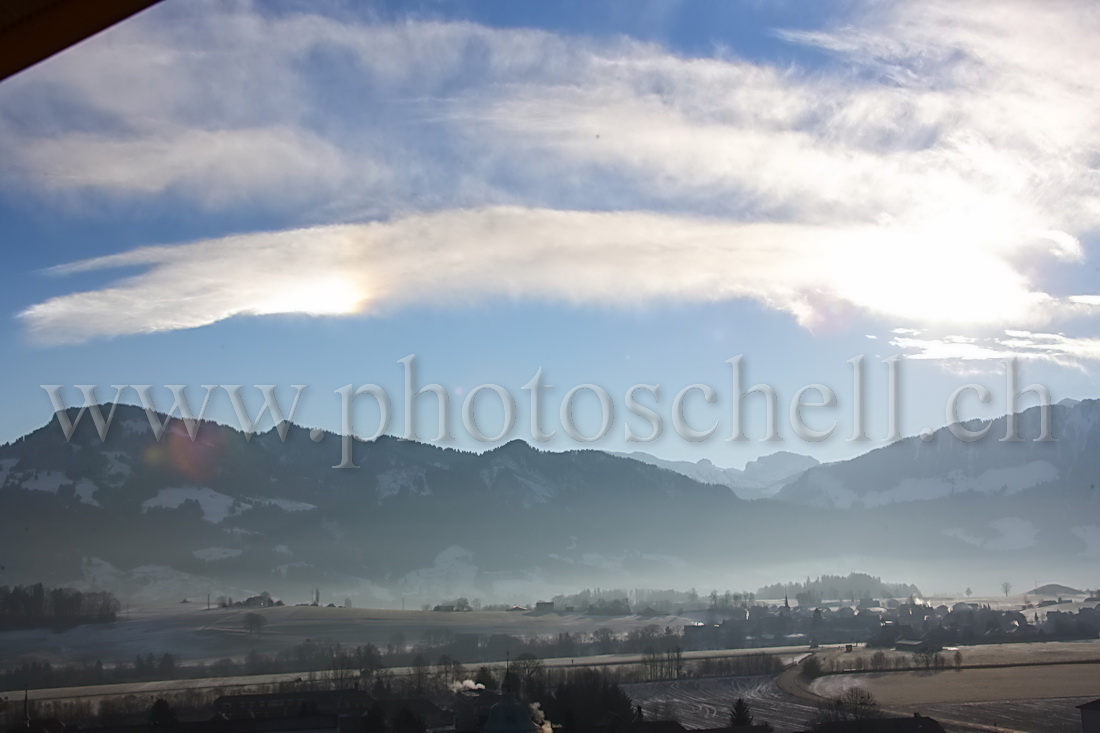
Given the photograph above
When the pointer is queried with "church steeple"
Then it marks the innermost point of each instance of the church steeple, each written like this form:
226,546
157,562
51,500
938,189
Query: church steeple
508,684
509,715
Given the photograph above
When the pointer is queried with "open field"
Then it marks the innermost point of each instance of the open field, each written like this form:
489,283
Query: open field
192,633
969,685
976,655
1036,699
1053,715
1038,695
786,655
1045,652
706,703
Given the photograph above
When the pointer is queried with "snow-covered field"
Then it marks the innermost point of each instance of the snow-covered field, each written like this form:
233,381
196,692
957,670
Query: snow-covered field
217,506
706,703
969,685
193,633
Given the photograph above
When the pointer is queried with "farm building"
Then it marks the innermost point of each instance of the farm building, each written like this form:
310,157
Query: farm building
1090,717
917,646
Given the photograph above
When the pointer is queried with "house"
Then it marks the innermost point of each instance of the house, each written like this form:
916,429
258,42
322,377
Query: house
509,715
471,709
544,607
1090,717
917,646
700,636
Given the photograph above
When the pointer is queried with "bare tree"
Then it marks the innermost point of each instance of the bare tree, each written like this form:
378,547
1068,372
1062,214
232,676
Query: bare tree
486,677
605,639
420,672
449,670
860,703
345,671
858,696
254,623
855,703
1006,587
811,668
528,667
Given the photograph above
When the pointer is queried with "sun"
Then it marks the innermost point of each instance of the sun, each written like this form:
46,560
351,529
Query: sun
326,296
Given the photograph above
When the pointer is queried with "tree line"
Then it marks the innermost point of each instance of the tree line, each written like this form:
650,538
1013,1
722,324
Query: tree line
28,606
851,587
431,669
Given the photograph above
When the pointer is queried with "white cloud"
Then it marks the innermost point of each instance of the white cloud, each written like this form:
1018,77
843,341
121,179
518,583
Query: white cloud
459,256
1053,347
214,167
923,179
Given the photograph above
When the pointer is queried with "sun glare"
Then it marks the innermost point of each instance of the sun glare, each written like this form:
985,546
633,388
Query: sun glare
332,296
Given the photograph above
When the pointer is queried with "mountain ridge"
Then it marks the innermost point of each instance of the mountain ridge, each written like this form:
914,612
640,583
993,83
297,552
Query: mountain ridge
420,520
761,478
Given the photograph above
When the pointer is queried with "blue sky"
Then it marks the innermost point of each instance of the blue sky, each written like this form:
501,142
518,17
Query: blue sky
618,194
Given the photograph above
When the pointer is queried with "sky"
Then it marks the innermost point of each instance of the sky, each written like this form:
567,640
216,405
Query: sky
615,194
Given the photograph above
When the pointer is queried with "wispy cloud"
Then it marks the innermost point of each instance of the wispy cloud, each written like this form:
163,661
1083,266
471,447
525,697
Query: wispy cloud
928,176
1074,351
453,257
212,167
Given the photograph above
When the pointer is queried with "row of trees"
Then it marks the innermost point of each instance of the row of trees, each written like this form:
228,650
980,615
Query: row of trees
880,661
851,587
25,606
853,705
305,657
577,700
648,601
603,640
433,667
44,674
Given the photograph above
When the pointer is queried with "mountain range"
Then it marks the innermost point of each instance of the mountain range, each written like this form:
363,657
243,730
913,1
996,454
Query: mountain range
224,513
761,478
